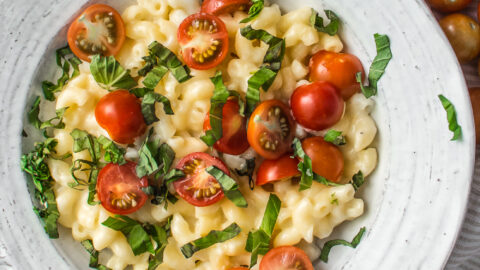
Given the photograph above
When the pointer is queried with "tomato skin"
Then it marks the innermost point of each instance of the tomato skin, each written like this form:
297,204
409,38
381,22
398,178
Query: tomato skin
317,106
197,42
115,181
217,7
265,127
284,258
120,113
327,160
475,100
196,178
449,5
234,127
338,69
79,28
464,35
276,170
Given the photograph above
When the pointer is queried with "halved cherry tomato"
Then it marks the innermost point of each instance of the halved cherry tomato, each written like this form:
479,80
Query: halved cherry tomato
317,105
449,5
285,258
276,170
120,190
234,129
271,129
338,69
120,113
98,30
198,187
217,7
204,40
327,160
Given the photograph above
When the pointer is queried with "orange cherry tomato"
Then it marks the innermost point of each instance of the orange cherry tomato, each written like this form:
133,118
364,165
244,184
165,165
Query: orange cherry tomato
464,35
338,69
327,160
271,129
217,7
475,99
234,130
449,5
276,170
98,30
286,258
204,40
120,190
120,113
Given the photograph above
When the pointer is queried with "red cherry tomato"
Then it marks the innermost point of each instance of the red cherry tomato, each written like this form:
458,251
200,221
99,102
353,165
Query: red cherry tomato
475,99
198,187
217,7
285,258
271,129
327,160
204,40
120,190
317,105
120,113
338,69
449,5
234,130
276,170
98,30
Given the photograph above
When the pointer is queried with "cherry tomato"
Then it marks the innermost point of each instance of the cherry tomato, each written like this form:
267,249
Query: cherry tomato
234,130
475,99
217,7
198,187
271,129
98,30
239,268
204,40
464,36
317,105
449,5
327,160
285,258
276,170
120,113
338,69
120,190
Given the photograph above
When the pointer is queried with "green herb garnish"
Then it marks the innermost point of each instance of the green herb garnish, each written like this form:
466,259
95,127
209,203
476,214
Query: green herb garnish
154,157
154,76
36,122
88,245
317,22
357,180
254,11
109,74
328,245
212,238
335,137
148,106
453,125
229,186
113,153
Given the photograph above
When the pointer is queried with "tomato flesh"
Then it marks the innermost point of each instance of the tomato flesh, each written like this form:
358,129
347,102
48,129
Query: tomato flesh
276,170
204,40
198,187
120,190
286,258
327,160
98,30
271,129
218,7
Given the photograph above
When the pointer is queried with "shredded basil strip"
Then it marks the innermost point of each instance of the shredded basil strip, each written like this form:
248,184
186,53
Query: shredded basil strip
254,11
380,62
113,153
154,76
317,22
36,122
453,125
229,186
357,180
258,242
154,157
272,62
248,170
65,58
329,244
109,74
335,137
212,238
148,106
88,245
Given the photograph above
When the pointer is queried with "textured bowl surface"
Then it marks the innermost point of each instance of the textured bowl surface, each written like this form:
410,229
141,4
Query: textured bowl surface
415,200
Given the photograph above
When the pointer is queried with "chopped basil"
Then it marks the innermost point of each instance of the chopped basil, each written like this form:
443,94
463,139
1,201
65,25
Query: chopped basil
229,186
82,140
109,74
154,76
451,117
148,106
380,62
357,180
212,238
248,170
328,245
113,153
65,59
258,242
335,137
160,235
254,11
36,122
154,157
88,245
173,175
317,22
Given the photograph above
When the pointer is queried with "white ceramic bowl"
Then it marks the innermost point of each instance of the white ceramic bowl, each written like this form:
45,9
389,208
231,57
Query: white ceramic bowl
415,200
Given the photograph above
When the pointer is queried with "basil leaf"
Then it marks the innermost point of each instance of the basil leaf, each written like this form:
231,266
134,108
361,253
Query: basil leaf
65,58
154,157
357,180
173,175
154,76
160,236
84,141
113,153
335,137
248,170
229,186
109,74
452,118
380,62
88,245
148,106
329,244
212,238
317,22
139,241
36,122
254,11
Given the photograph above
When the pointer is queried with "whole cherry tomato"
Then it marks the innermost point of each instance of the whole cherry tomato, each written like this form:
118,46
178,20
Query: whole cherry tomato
475,99
464,35
449,5
327,160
